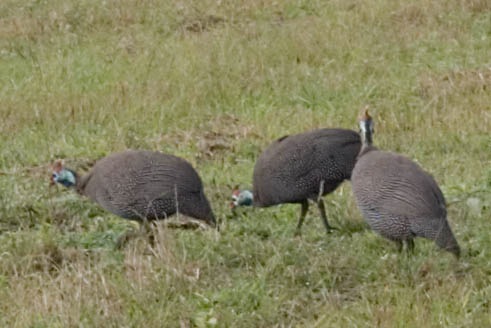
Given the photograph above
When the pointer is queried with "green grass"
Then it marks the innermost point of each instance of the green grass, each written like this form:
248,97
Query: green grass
215,82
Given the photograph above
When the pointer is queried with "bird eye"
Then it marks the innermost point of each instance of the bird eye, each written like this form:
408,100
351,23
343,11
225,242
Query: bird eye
54,176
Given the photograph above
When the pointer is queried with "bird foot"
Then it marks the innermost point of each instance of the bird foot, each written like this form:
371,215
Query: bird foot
330,229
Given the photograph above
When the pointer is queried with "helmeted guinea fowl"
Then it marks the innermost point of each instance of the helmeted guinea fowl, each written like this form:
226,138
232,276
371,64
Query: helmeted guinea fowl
398,199
302,167
141,185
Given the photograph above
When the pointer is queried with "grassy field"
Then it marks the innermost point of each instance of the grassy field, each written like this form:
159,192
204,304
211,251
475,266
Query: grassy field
215,82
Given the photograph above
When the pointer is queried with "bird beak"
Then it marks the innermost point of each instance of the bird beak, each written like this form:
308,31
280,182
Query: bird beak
234,201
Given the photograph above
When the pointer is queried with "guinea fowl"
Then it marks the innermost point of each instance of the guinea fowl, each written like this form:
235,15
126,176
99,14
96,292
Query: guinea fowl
398,199
141,185
302,167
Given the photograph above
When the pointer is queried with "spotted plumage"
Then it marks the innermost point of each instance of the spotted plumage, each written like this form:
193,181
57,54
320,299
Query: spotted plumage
398,199
141,185
302,167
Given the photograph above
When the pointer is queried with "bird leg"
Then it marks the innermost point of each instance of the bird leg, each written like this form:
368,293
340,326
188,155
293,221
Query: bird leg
303,213
322,211
146,229
410,245
399,245
322,208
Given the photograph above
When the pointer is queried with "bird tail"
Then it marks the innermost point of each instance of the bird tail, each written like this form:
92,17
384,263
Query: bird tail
445,239
211,220
207,213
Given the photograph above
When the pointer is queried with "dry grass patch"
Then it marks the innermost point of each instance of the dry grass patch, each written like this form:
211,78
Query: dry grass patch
444,92
476,6
456,83
210,139
215,82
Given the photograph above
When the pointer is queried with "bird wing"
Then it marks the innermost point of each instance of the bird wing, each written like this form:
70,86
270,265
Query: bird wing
291,168
399,187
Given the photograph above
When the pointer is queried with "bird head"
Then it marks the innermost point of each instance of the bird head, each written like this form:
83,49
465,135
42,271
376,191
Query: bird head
241,198
366,121
366,125
62,175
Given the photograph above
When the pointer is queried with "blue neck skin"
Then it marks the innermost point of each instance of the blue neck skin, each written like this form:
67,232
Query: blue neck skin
245,198
65,177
